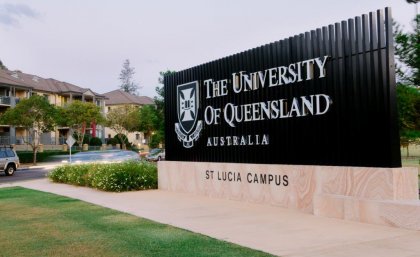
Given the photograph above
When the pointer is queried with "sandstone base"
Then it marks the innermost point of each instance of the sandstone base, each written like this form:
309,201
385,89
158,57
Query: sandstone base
386,196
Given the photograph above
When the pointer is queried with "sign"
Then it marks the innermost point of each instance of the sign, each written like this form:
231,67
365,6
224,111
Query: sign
324,97
70,141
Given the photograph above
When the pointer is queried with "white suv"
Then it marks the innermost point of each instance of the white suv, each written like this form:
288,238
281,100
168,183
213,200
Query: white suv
9,161
156,155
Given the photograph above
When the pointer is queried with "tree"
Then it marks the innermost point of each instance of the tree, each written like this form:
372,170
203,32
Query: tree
126,76
2,66
160,106
408,98
123,120
77,115
148,120
36,115
407,51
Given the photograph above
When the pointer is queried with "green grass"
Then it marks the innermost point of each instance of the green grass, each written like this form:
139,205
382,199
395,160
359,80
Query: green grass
34,223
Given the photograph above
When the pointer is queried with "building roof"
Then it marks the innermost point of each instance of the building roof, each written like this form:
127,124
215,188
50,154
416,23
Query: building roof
18,78
121,97
6,78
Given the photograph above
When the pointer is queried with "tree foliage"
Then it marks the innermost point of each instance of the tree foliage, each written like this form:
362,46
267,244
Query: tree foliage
160,107
407,51
2,66
123,120
126,76
78,115
409,114
36,115
148,120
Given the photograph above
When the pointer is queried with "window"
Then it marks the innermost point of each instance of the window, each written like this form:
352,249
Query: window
137,136
2,154
10,153
109,108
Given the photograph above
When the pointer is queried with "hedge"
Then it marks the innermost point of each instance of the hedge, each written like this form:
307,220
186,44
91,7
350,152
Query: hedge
27,156
117,177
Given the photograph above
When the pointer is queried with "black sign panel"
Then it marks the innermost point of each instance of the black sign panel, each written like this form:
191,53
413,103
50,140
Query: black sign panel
325,97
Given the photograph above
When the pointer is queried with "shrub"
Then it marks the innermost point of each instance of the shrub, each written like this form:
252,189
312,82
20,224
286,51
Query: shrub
117,177
27,156
127,143
95,141
112,141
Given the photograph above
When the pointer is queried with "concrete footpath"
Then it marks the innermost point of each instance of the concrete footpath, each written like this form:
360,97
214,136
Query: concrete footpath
270,229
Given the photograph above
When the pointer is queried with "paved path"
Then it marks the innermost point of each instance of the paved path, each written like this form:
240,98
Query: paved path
271,229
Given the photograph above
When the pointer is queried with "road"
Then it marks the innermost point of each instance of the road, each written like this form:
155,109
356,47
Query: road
25,174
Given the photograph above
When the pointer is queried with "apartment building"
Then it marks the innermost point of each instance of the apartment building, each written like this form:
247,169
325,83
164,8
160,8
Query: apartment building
16,85
119,98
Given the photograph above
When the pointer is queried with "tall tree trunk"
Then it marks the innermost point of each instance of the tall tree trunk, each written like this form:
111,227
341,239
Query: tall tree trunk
35,150
120,136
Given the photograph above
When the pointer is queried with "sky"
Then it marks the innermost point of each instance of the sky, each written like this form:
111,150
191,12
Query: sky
86,42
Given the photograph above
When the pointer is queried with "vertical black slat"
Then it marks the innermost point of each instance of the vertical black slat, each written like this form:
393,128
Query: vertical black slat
393,115
360,67
216,100
227,74
206,128
374,56
305,91
172,113
255,95
367,60
248,99
354,65
166,105
284,90
221,101
341,97
263,125
177,147
292,122
382,78
241,67
330,86
382,96
276,58
234,98
352,37
323,130
311,89
359,63
352,78
347,92
215,103
172,110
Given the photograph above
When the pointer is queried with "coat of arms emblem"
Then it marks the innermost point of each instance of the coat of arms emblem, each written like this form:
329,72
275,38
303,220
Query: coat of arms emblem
188,127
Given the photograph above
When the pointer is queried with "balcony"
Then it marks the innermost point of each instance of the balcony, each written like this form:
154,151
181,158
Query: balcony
5,100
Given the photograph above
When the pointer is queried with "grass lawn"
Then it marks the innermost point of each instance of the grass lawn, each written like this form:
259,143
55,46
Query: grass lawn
34,223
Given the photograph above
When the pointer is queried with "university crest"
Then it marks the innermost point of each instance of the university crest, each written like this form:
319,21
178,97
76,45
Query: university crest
188,127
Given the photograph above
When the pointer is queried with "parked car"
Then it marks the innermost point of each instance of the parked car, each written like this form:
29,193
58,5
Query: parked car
156,154
104,156
9,160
